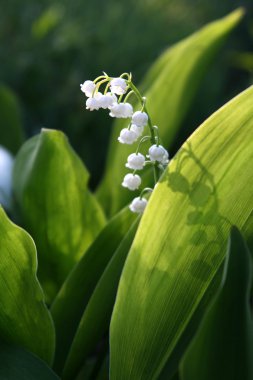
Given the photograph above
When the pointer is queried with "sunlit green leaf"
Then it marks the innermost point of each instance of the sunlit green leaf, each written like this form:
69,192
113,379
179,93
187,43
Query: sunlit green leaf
181,242
50,185
96,318
169,86
75,293
11,134
223,346
18,364
24,318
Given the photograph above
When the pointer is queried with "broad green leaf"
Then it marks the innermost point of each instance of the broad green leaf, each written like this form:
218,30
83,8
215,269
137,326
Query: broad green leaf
24,318
181,242
18,364
70,303
95,321
169,86
50,186
11,133
223,346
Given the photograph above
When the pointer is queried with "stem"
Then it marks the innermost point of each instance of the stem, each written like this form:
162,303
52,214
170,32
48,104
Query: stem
145,138
153,139
152,132
128,95
106,88
101,82
146,190
98,78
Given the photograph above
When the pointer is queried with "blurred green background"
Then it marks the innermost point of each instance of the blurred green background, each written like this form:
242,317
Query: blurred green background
49,47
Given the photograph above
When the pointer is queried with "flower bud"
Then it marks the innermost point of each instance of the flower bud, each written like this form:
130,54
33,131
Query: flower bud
135,161
121,110
131,181
158,153
118,86
88,87
127,136
138,205
140,119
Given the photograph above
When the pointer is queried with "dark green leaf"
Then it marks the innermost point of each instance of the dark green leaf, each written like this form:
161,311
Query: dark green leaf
24,318
11,133
96,318
18,364
223,346
75,293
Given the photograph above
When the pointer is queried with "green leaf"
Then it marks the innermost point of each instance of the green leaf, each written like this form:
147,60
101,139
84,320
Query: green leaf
223,346
70,303
50,186
181,243
24,318
11,133
95,321
18,364
169,86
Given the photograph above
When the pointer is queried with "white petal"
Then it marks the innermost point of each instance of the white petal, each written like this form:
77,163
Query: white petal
138,205
140,118
88,87
131,181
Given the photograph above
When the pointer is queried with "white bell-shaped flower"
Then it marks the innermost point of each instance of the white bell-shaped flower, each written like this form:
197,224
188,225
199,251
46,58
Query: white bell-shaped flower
6,167
121,110
94,103
158,153
138,205
137,130
165,159
127,136
111,99
131,181
140,119
88,87
118,86
135,161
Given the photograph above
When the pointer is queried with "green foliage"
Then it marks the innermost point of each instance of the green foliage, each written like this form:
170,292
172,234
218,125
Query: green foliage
151,290
99,308
49,47
170,85
22,365
181,242
223,346
50,187
11,133
24,318
71,301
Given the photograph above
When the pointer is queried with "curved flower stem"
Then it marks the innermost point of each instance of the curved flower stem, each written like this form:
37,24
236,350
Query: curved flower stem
154,140
100,77
128,95
146,190
142,140
101,82
106,88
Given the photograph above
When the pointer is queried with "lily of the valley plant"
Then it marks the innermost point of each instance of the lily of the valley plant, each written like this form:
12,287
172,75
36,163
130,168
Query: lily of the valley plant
115,97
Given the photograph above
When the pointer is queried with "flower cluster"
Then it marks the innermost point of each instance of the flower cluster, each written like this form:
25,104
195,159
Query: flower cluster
115,98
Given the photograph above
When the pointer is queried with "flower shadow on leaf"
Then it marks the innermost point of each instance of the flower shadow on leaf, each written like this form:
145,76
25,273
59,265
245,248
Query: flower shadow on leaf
204,217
